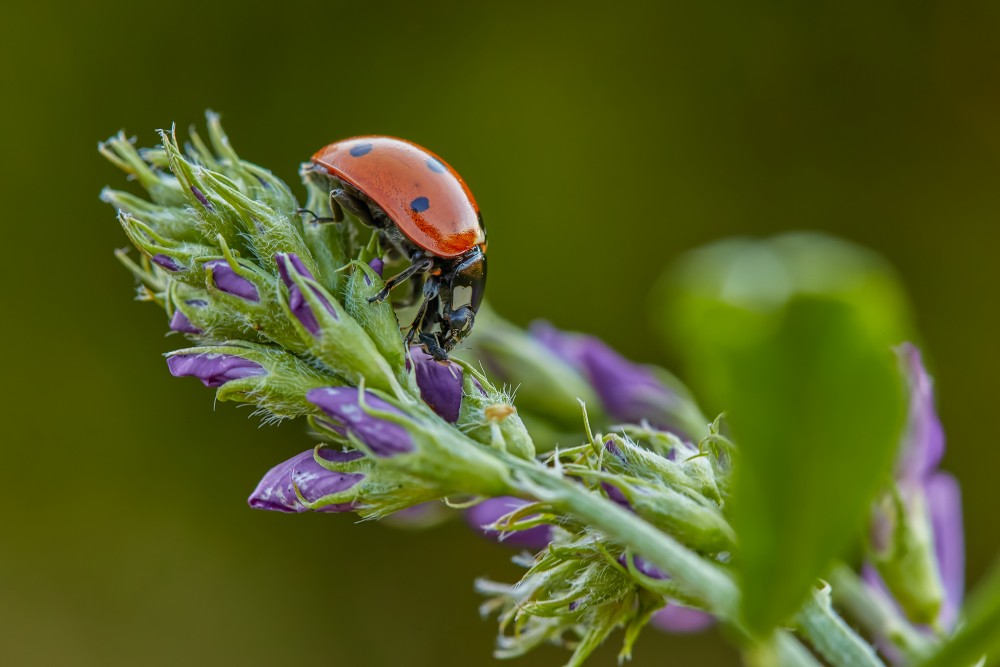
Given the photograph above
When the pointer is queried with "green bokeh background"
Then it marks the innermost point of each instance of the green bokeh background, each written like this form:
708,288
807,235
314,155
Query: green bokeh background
601,141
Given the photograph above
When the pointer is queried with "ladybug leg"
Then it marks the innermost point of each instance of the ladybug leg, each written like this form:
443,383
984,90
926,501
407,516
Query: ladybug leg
418,266
316,218
430,303
413,296
431,345
341,200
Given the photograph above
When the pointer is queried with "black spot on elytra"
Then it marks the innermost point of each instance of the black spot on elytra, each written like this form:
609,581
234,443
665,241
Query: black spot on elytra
357,150
435,166
420,204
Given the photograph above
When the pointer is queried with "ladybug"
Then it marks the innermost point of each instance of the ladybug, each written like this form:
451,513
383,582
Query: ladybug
424,214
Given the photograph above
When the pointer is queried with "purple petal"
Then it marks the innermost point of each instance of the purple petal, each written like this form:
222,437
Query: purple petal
681,620
923,440
611,448
297,303
287,262
440,384
180,322
377,266
214,370
200,196
230,282
276,490
644,566
615,495
944,501
384,438
629,392
168,263
489,511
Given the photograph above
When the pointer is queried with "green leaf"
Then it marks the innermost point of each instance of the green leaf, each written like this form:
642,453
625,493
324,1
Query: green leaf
793,337
979,634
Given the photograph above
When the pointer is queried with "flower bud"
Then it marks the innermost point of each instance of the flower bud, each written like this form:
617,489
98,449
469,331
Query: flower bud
296,302
917,542
327,243
665,493
213,369
224,278
180,322
487,519
629,392
383,437
411,440
332,335
549,390
377,318
674,618
167,263
678,619
487,415
440,383
177,257
273,379
302,477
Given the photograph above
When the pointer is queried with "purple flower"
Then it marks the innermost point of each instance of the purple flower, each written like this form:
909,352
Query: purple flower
644,567
672,618
168,263
200,196
384,438
921,485
629,392
616,495
440,383
944,498
276,490
230,282
214,370
180,322
483,515
297,303
923,439
681,620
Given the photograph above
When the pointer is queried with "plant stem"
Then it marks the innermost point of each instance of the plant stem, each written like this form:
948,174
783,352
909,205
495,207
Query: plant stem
707,582
876,614
831,636
704,580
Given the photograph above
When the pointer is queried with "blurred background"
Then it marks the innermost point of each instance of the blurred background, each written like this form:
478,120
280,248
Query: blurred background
600,140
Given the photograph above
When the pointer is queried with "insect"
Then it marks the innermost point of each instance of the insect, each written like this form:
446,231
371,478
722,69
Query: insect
424,214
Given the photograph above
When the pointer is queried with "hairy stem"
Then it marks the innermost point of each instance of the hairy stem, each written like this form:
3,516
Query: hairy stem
831,636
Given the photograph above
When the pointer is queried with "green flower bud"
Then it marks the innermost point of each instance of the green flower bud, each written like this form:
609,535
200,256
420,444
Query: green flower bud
276,381
378,319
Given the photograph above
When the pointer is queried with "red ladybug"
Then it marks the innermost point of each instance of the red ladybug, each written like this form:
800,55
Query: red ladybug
425,214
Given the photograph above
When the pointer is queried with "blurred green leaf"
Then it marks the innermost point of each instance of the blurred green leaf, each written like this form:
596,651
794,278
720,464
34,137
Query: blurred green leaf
979,634
793,337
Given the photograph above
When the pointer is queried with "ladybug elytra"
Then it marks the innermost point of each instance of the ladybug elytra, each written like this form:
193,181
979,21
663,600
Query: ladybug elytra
424,214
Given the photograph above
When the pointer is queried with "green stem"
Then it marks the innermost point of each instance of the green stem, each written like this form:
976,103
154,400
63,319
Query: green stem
831,636
876,614
704,580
